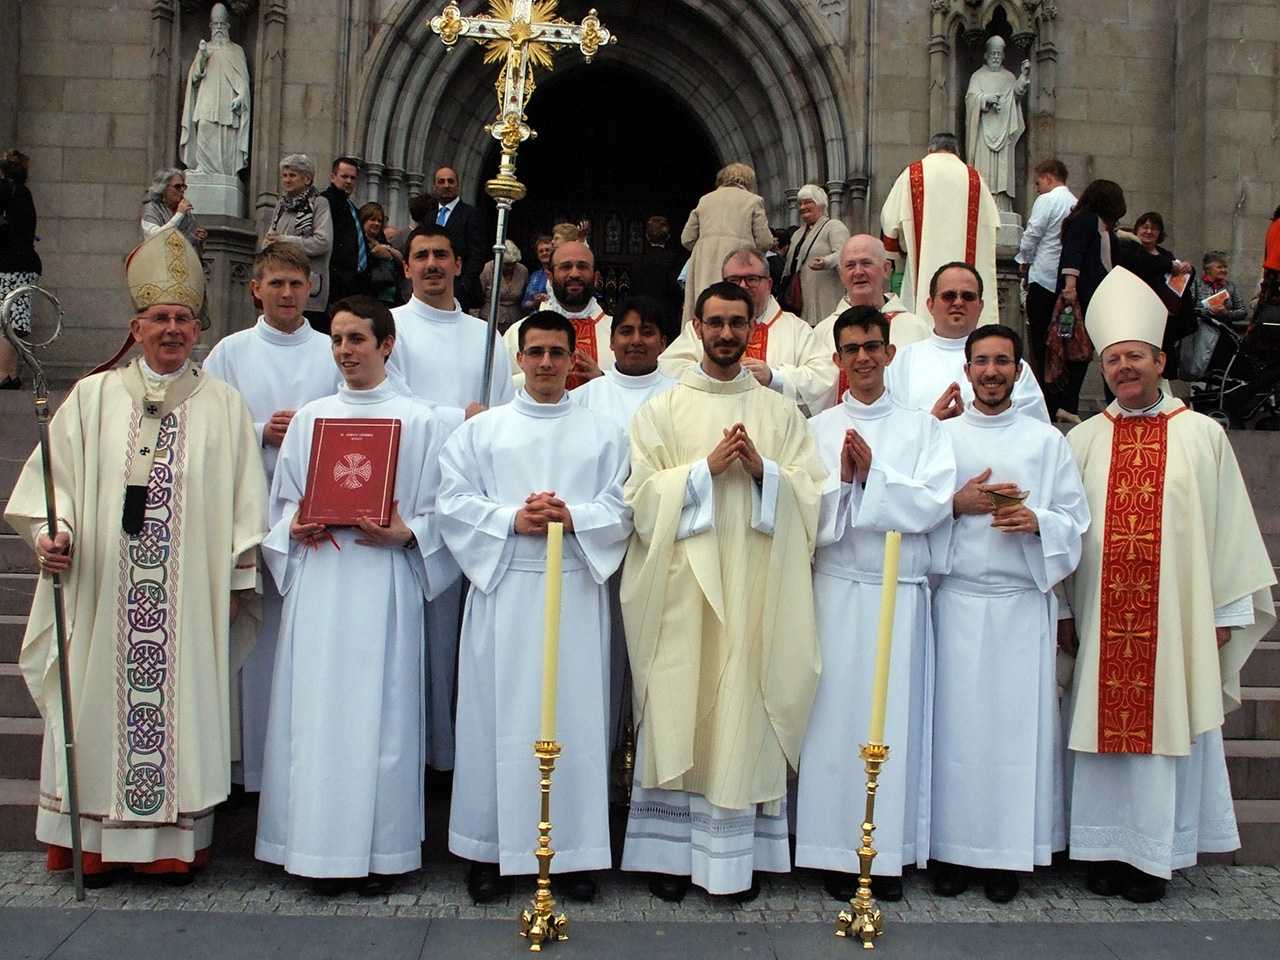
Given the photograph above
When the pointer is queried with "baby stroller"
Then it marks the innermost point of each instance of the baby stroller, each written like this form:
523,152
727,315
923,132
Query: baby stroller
1245,388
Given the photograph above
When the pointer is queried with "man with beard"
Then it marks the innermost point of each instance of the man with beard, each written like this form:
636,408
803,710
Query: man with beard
782,353
573,271
718,604
1156,667
1020,513
439,357
890,468
865,271
929,374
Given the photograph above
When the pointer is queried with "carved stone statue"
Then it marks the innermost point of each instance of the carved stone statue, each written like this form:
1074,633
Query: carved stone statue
993,121
215,113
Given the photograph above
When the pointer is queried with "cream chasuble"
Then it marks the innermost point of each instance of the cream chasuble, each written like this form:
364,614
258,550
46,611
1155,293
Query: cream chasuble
940,210
147,615
1174,538
720,624
802,370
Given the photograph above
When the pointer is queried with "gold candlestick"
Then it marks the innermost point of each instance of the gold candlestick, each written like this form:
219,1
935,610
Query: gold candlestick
540,924
863,919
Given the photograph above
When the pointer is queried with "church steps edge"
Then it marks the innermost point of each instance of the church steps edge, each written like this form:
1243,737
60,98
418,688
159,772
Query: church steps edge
15,699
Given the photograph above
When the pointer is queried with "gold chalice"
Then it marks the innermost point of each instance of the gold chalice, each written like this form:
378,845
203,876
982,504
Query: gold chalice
1000,499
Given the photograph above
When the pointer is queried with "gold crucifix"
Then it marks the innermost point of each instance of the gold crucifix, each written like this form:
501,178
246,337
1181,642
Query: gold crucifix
524,36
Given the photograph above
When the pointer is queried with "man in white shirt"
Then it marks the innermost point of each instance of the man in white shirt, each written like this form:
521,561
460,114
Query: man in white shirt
277,366
1039,252
929,374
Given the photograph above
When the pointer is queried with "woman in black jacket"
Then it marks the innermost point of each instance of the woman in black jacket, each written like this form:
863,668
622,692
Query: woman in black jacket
19,262
1090,248
1149,229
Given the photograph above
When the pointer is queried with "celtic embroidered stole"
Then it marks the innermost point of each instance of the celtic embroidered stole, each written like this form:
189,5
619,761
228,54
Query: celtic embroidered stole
1130,591
584,329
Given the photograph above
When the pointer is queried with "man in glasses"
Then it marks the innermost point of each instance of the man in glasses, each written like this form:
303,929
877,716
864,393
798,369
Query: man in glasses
782,353
1020,513
717,598
865,270
505,475
929,375
889,468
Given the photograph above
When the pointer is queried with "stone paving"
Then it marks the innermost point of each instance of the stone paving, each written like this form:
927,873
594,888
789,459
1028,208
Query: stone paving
235,883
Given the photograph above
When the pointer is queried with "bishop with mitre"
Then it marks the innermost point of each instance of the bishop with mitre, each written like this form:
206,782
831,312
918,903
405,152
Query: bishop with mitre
1172,594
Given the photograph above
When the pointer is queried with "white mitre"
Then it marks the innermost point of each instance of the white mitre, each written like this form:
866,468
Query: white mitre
1125,308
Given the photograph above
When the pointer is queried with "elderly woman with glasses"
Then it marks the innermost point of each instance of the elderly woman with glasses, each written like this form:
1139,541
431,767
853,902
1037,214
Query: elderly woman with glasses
811,281
167,206
302,217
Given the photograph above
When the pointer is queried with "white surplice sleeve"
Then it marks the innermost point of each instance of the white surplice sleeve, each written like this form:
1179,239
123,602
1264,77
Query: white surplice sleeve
478,530
432,561
602,525
764,499
282,554
1063,517
915,502
698,515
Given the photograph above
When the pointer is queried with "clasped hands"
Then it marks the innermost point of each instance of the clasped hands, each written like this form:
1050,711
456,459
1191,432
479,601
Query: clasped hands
950,404
972,499
541,509
855,458
736,447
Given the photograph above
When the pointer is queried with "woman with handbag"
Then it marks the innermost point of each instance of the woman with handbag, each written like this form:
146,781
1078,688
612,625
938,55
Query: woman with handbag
19,263
811,282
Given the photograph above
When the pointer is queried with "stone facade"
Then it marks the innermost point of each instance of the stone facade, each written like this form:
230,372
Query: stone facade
1178,100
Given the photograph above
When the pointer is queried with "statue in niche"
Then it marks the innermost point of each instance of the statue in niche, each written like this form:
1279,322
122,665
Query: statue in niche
993,121
215,112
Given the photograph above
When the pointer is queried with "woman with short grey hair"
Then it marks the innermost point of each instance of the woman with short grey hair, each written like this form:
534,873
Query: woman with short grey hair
302,217
167,206
811,282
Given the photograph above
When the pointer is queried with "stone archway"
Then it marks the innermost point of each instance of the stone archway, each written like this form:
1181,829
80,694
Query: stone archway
767,82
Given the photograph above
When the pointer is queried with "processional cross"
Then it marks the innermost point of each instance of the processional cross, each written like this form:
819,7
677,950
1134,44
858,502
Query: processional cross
523,35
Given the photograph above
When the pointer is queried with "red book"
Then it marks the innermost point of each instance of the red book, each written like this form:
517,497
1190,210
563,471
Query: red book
352,473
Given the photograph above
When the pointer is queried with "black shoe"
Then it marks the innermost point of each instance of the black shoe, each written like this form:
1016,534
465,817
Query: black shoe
97,881
949,879
667,887
749,894
1104,878
886,889
579,887
1141,887
484,883
1000,886
329,886
376,885
13,383
177,879
840,886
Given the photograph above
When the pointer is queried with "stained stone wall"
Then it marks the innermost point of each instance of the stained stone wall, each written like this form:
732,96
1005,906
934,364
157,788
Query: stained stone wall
1178,100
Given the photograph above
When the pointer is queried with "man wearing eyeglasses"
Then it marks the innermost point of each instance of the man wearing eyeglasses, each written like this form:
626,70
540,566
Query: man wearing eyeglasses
929,375
506,474
717,599
782,353
162,500
889,468
1020,515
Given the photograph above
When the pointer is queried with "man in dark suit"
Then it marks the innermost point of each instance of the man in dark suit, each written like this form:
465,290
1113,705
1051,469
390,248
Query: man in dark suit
350,257
654,273
463,223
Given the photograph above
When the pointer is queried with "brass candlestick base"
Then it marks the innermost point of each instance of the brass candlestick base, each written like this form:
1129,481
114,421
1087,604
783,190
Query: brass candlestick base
863,919
540,924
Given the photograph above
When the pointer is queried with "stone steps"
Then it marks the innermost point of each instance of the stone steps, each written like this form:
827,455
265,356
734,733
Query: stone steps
1258,717
15,699
18,814
16,591
1259,825
1254,769
15,555
11,630
20,741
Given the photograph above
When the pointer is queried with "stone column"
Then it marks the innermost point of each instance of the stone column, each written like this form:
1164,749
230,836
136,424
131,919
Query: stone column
373,189
939,68
835,199
856,190
791,210
397,205
264,164
228,265
162,119
1044,128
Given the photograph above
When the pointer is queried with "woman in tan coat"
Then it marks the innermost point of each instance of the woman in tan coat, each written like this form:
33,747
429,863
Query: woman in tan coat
728,218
